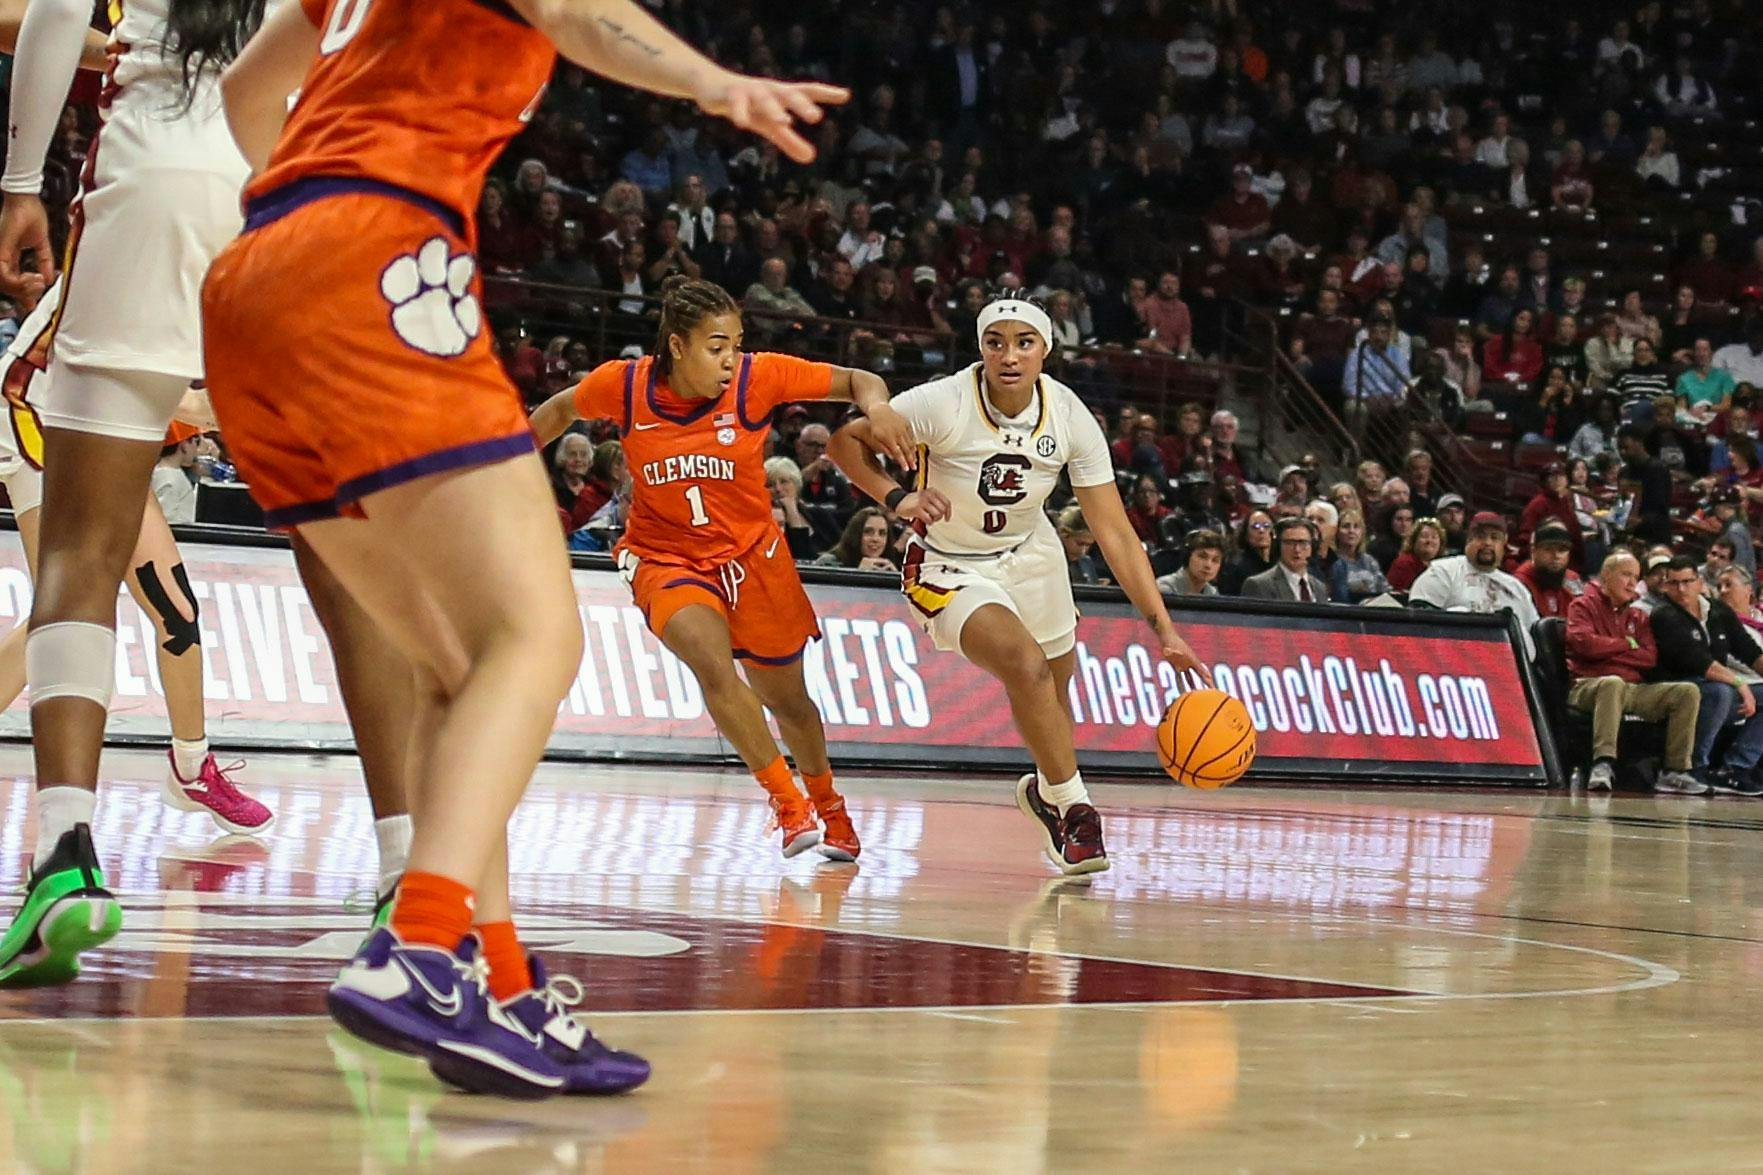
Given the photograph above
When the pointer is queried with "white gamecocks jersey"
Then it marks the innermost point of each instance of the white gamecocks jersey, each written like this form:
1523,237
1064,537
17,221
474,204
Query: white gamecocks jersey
996,470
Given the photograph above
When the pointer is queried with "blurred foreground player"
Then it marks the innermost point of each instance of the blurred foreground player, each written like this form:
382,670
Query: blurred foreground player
385,433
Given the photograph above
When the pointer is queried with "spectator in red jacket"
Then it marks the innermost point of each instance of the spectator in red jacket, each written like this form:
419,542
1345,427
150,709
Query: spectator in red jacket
1711,278
1553,584
1147,510
1424,543
1609,649
1553,503
1515,354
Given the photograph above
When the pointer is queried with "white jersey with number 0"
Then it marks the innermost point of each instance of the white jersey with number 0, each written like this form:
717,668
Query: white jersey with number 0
998,471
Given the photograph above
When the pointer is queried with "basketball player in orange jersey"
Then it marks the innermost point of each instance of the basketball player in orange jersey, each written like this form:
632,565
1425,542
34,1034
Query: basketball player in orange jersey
984,568
703,557
360,396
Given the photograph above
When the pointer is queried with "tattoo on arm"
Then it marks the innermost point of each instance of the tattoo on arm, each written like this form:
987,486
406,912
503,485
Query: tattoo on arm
618,33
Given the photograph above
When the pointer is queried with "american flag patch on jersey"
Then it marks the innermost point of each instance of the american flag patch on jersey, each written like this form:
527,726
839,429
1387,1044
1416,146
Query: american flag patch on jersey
726,420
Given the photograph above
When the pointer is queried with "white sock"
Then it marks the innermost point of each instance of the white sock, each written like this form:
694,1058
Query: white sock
1063,795
188,757
393,834
58,810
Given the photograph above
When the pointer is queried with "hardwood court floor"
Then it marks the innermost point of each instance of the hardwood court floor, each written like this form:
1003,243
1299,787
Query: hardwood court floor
1268,980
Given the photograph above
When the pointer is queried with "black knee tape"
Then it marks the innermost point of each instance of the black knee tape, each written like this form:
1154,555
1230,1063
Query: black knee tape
180,634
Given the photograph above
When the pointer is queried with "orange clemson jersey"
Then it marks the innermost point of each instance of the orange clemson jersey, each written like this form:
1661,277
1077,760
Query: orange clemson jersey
698,466
421,94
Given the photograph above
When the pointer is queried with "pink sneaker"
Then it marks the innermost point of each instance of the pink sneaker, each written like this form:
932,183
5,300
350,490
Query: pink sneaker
212,792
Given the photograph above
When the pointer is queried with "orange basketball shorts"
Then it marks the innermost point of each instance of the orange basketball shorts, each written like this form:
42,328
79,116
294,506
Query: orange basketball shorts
347,351
770,620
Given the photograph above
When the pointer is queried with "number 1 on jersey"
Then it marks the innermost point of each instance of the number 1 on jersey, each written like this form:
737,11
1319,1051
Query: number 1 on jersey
695,495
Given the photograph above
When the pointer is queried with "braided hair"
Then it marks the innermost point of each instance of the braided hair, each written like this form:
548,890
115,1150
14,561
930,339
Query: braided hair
686,302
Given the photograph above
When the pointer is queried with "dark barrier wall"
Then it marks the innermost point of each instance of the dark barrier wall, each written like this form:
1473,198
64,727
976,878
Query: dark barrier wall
1367,692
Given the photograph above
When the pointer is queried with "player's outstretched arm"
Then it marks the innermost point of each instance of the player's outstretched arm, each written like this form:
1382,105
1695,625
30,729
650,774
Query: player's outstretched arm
257,85
853,449
619,40
554,415
888,430
94,56
1106,518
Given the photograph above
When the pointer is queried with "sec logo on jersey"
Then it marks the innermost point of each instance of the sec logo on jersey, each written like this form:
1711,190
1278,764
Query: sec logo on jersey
1001,481
1046,446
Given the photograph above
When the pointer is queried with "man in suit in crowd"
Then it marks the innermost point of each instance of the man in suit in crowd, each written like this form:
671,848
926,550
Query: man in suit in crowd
1290,578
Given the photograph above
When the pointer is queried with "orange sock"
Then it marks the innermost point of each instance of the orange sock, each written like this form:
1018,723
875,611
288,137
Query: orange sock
509,973
431,910
820,788
776,779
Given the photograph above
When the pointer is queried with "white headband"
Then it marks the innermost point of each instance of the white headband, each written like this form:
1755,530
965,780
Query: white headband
1016,310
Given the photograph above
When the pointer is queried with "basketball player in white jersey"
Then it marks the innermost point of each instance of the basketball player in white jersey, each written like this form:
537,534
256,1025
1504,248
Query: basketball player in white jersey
158,198
984,568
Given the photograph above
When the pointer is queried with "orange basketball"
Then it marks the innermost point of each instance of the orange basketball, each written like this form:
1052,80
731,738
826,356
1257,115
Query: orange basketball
1206,739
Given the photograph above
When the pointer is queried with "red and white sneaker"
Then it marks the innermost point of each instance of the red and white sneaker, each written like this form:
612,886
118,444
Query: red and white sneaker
212,791
840,841
1073,841
795,817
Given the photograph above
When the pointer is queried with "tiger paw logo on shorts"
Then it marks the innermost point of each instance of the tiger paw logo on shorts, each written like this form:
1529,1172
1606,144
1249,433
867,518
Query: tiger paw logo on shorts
433,309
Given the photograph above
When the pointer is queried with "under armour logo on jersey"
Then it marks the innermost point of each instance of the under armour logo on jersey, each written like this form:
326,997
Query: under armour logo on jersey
1014,439
433,308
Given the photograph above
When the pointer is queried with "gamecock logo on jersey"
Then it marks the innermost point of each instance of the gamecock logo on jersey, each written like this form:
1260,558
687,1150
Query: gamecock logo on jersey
1001,480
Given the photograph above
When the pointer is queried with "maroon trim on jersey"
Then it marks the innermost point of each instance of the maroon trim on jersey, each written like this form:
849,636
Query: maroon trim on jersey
691,416
688,581
741,397
791,659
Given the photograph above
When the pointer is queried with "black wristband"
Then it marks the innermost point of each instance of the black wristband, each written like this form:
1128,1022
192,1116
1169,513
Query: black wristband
895,497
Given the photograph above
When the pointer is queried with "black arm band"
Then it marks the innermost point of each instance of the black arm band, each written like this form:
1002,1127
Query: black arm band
895,497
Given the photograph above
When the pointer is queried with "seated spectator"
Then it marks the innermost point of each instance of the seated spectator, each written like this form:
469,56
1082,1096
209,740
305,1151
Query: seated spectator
1650,514
1743,361
1205,559
1727,503
1608,354
1473,581
1513,356
726,260
1684,95
1356,576
1553,503
1392,540
1141,453
1737,426
776,306
1196,502
1417,475
1345,499
1572,189
1374,381
1320,342
1597,435
1147,511
1719,558
1453,514
1703,390
1551,410
1079,545
174,476
1644,382
1737,590
1169,325
783,479
1657,563
1552,583
1242,212
1634,321
579,494
864,544
1188,440
1368,482
1255,553
1120,318
1610,649
1424,543
1228,458
1291,580
1323,519
1499,304
1695,637
1707,274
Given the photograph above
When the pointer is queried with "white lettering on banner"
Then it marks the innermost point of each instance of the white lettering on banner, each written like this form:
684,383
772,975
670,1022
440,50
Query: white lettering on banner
833,630
868,634
584,692
820,690
604,618
229,639
303,645
901,643
643,664
257,608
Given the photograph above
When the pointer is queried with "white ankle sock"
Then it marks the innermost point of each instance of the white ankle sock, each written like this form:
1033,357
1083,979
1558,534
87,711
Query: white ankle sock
58,810
1063,795
393,834
187,757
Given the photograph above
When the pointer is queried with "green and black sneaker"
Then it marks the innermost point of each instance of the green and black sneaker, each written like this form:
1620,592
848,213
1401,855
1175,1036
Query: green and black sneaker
66,910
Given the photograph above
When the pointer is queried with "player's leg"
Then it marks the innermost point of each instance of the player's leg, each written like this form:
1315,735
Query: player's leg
12,644
698,634
379,697
995,638
194,781
771,623
93,486
782,690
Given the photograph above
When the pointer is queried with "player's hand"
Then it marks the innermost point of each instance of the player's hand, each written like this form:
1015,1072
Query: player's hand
875,563
1176,651
770,108
24,227
927,505
893,436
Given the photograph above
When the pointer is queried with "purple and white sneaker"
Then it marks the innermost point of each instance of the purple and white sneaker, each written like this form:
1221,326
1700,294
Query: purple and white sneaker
588,1065
435,1003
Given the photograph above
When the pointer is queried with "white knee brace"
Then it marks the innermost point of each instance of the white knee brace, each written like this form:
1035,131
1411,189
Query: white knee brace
71,659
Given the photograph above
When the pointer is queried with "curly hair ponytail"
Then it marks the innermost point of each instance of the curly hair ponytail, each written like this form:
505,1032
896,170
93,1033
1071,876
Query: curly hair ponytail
686,302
